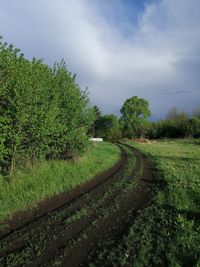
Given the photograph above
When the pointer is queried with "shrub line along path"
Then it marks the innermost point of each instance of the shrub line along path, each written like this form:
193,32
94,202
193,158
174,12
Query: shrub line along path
72,229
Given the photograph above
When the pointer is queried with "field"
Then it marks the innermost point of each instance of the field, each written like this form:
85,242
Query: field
48,178
171,234
143,212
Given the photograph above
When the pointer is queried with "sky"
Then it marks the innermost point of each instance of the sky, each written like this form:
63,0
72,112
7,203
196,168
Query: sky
117,48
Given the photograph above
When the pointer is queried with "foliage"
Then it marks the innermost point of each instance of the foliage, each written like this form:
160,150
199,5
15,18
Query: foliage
94,129
192,128
175,129
108,128
196,112
176,115
43,112
134,111
97,112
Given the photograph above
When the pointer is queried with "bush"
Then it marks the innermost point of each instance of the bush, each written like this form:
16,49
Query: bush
43,112
175,129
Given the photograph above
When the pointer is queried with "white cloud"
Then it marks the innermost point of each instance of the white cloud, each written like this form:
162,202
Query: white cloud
160,53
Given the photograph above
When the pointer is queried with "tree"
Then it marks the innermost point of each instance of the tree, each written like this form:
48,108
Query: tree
134,111
97,114
191,128
108,127
196,112
176,115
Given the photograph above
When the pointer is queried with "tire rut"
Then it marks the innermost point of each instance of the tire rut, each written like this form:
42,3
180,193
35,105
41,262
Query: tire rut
67,235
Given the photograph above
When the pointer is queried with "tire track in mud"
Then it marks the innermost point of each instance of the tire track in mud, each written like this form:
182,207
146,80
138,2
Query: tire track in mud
68,234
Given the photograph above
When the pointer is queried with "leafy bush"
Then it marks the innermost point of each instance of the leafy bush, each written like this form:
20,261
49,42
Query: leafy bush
43,112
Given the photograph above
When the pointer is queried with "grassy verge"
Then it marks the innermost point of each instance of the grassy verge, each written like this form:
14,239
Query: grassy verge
51,177
167,233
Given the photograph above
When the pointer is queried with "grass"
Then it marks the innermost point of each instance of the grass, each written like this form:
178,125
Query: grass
96,210
167,233
52,177
178,164
172,232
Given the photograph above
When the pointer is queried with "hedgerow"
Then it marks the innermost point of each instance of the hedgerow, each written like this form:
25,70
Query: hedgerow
43,112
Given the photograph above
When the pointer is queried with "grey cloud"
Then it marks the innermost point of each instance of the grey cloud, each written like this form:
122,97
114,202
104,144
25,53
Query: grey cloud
160,54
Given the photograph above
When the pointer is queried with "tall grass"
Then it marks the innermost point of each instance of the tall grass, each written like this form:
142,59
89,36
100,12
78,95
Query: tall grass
51,177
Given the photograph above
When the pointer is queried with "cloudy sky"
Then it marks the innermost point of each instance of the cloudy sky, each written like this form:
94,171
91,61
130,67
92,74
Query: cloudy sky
118,48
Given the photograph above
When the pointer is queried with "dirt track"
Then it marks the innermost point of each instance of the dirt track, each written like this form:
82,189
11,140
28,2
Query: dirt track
67,230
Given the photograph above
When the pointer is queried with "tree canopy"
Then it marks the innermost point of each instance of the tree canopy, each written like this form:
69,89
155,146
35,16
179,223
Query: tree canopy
107,127
134,111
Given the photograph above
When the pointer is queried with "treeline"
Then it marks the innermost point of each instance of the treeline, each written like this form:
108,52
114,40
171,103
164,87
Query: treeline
43,112
45,115
134,124
176,125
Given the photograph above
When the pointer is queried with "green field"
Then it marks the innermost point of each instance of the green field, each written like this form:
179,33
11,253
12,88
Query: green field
51,177
164,233
167,233
178,164
173,226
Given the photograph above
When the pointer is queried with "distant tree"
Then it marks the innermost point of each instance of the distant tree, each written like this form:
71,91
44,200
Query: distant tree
172,113
191,128
175,123
176,115
143,128
97,115
108,127
134,111
196,112
97,112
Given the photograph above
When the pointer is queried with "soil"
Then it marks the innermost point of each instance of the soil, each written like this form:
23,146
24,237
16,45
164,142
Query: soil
67,229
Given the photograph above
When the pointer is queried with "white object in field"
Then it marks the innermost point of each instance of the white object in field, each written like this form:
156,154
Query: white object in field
96,139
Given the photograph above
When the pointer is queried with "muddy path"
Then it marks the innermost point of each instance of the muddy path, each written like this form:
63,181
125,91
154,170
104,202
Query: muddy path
67,230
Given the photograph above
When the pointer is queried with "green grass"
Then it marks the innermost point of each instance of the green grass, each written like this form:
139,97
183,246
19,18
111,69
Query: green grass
178,164
167,233
51,177
172,231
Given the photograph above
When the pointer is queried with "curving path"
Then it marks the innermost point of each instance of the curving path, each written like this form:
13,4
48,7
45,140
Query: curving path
68,229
